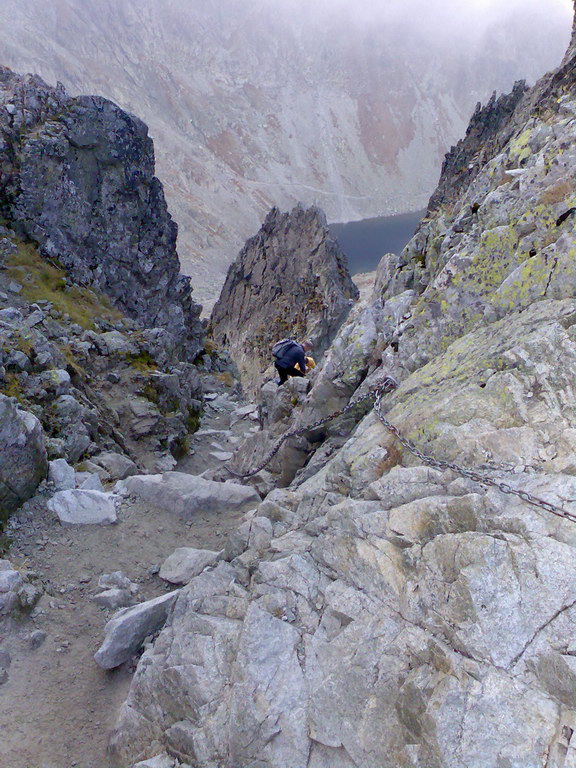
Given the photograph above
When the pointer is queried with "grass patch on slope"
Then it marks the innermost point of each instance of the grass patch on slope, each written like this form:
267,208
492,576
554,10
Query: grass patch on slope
41,280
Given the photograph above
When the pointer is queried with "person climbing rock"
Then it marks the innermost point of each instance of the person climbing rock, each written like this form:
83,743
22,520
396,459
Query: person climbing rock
287,355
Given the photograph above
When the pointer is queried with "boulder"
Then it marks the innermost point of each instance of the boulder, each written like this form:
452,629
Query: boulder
185,563
127,630
62,475
24,463
187,494
80,507
117,465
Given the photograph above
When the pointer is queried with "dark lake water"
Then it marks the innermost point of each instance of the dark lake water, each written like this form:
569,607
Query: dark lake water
365,242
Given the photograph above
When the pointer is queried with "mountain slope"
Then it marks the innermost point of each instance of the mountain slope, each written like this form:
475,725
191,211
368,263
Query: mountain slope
252,108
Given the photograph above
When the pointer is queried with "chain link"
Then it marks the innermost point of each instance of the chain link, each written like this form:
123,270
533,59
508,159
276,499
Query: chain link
470,474
376,394
387,385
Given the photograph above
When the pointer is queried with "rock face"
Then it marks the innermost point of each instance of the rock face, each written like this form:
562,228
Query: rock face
391,613
23,462
105,219
291,279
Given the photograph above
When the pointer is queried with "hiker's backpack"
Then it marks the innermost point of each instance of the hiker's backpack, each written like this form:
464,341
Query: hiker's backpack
281,347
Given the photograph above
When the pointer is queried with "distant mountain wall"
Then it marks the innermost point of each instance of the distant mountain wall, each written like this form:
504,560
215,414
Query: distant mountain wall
257,104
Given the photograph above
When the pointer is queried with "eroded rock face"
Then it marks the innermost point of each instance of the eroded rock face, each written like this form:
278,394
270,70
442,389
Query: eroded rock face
290,280
391,613
78,178
23,462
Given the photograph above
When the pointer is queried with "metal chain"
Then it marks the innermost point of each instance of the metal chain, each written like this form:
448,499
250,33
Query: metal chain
470,474
387,385
376,394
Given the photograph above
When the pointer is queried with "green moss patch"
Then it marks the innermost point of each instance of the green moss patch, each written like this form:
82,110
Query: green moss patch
142,361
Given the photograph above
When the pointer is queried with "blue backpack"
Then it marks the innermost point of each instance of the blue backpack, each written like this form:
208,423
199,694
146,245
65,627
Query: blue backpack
281,347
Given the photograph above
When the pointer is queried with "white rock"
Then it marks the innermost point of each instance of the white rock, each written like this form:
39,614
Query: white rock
160,761
127,629
187,494
61,474
80,507
185,563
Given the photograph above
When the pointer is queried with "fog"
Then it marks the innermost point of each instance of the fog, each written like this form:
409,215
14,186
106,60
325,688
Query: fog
456,19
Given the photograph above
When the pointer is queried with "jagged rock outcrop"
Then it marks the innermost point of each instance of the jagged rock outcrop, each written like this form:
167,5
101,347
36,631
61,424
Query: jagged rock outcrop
389,613
291,279
98,331
77,178
490,128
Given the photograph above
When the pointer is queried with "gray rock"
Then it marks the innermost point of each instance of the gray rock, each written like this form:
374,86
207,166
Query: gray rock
28,595
127,630
117,466
56,381
222,455
114,598
61,474
116,579
18,361
10,581
79,507
36,638
185,563
14,287
24,463
187,494
34,318
115,343
89,481
11,316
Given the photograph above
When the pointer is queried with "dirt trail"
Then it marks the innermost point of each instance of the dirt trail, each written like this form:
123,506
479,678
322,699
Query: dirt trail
58,707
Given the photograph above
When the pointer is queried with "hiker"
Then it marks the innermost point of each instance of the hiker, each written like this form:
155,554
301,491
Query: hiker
287,355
